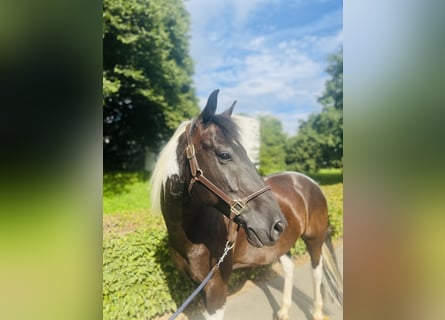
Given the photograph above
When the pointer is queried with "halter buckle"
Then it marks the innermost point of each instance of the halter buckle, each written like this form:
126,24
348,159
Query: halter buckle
190,151
237,207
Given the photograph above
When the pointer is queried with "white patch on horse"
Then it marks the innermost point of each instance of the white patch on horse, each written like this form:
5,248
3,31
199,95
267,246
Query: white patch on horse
218,315
317,274
288,268
166,166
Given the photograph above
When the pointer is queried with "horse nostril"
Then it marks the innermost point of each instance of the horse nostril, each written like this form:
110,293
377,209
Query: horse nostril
278,227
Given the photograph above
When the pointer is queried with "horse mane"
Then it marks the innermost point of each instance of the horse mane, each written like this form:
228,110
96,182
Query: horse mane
228,126
166,165
167,162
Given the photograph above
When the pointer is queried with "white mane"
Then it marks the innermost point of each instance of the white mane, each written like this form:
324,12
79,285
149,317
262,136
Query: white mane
166,166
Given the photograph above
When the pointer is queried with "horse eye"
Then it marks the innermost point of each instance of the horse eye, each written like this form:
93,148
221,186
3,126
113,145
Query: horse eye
224,156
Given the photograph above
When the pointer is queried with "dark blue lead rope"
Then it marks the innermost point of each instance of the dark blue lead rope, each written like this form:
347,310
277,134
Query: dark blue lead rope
193,295
203,283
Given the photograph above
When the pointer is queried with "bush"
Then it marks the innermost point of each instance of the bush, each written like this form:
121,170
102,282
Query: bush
334,196
138,275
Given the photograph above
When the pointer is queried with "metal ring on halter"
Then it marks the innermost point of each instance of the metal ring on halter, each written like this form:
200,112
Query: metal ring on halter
238,207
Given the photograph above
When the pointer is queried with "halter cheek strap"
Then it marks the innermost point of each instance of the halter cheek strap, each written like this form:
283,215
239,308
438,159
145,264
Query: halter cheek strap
237,206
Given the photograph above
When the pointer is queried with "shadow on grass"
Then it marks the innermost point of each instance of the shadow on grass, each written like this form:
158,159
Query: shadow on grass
116,183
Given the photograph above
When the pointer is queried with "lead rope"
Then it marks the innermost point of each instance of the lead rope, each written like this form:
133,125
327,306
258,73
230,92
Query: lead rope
229,246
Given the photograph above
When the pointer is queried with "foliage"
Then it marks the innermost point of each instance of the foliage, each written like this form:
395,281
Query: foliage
147,84
319,142
303,150
272,153
333,94
334,196
137,275
125,192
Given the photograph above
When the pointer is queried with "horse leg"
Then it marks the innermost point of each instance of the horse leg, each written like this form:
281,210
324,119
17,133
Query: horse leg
218,315
314,248
215,298
288,269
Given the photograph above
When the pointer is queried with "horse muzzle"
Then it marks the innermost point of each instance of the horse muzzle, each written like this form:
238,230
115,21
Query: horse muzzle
259,237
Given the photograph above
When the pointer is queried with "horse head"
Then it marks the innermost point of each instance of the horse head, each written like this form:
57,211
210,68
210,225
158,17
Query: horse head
234,186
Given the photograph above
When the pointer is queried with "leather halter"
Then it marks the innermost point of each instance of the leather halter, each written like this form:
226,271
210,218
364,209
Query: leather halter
237,206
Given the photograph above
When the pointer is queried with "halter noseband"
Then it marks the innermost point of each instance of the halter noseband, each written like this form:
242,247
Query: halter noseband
237,206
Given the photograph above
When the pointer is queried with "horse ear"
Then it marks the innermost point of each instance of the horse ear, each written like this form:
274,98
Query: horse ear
228,112
210,108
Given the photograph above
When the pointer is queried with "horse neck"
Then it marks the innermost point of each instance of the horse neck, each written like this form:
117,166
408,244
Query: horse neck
204,224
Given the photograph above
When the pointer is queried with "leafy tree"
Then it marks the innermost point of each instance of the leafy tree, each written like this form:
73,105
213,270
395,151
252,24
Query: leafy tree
302,150
147,84
273,140
329,123
333,94
319,142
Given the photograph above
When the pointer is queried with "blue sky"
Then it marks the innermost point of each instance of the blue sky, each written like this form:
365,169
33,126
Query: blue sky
269,55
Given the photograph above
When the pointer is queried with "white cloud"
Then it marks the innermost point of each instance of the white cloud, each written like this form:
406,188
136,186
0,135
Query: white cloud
280,72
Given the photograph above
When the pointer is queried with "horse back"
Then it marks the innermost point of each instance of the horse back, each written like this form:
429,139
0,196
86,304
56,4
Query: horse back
304,196
305,208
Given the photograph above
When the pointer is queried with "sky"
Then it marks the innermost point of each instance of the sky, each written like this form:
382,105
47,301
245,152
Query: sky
269,55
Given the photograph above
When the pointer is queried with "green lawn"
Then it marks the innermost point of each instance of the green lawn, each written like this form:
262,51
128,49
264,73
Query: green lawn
328,176
125,192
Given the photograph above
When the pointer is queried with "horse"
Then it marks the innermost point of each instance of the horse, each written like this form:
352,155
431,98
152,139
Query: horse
306,211
211,195
203,175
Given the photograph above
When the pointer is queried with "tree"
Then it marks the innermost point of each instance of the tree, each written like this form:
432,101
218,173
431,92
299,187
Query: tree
302,150
319,142
329,123
147,84
272,153
333,93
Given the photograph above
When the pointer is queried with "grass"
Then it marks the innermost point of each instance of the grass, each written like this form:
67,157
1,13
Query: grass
140,280
125,192
327,176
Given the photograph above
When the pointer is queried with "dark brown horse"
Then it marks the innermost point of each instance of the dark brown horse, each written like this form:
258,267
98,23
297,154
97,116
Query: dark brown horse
204,180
